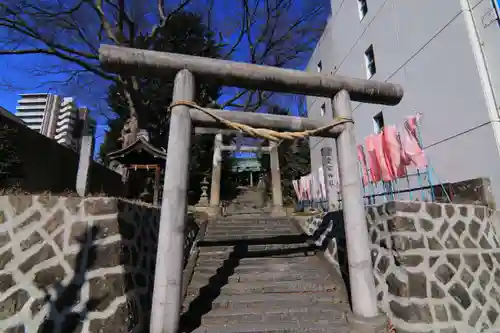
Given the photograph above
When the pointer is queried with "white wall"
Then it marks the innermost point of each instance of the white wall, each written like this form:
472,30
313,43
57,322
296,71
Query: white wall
424,45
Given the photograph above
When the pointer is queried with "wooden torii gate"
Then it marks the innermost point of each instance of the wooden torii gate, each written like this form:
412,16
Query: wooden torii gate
167,297
272,150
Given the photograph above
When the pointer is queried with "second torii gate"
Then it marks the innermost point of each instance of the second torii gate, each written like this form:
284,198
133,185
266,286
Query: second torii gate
219,147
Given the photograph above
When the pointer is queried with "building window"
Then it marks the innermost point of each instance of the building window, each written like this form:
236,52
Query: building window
371,69
323,109
378,122
320,67
496,6
363,8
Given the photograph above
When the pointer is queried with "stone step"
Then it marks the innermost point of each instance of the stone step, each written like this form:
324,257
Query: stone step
249,276
224,255
240,213
247,202
252,301
254,219
262,229
255,249
245,224
250,236
322,312
249,225
239,230
280,327
256,261
257,269
211,236
264,287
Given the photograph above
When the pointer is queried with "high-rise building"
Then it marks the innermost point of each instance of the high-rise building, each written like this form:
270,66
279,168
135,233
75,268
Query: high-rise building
445,55
66,121
38,111
53,116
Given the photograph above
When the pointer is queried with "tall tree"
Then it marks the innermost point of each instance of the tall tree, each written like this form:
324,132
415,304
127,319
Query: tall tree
294,159
272,32
184,33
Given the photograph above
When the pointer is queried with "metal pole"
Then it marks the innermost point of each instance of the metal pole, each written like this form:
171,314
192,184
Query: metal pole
167,301
216,175
363,294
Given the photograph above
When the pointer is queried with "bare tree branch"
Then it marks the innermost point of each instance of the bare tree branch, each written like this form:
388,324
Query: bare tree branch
270,32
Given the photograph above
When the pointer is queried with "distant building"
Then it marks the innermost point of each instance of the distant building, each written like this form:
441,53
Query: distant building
53,116
66,122
38,110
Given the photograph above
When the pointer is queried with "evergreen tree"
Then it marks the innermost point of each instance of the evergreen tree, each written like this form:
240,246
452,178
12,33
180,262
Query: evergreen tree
184,33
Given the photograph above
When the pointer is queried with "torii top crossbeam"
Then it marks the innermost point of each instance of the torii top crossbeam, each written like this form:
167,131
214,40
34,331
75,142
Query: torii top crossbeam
250,76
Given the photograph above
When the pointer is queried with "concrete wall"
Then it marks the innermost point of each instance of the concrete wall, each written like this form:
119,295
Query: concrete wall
430,47
44,165
436,266
77,265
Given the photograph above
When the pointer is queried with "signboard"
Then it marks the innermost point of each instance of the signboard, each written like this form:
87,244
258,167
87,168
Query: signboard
331,177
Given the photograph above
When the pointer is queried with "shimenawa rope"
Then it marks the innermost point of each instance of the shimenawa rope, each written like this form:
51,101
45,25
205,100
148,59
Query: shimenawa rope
264,132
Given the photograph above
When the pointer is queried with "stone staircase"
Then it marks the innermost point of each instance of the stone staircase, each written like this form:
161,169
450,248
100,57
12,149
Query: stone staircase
249,201
259,274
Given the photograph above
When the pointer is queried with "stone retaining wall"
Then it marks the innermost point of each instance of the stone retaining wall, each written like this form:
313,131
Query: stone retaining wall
77,265
436,266
46,166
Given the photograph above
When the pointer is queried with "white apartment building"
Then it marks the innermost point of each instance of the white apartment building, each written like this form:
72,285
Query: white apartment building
445,54
39,111
66,121
51,115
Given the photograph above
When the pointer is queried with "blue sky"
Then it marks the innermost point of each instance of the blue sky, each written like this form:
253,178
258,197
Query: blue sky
17,71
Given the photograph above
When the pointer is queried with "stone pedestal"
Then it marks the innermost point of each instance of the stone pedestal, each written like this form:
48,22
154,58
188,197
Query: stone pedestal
213,211
357,324
278,211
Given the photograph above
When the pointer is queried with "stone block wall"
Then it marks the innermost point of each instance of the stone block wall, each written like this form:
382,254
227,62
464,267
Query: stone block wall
77,265
475,191
436,266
